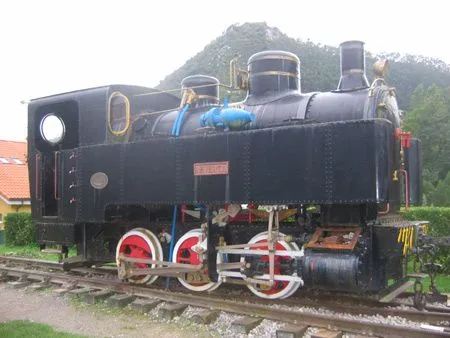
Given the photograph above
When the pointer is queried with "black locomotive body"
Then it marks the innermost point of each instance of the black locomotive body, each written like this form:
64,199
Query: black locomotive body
158,181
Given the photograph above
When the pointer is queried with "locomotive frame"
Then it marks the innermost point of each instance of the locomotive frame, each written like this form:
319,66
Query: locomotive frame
113,168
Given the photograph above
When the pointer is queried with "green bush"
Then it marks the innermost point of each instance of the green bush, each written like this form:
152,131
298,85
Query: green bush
19,229
439,219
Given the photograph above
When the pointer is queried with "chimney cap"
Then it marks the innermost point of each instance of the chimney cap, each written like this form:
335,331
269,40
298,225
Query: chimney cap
198,79
351,42
273,54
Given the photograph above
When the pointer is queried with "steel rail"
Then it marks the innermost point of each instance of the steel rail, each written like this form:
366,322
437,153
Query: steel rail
430,316
387,309
28,261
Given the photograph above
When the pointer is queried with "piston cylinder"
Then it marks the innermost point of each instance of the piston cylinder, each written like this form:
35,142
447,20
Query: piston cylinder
330,271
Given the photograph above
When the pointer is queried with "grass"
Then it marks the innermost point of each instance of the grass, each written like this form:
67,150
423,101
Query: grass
30,251
23,328
442,282
102,308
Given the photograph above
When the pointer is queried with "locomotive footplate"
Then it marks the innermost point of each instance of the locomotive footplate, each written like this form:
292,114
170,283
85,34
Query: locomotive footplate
397,289
75,262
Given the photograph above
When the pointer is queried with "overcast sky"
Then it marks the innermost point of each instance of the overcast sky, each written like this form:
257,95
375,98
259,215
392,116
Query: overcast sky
48,47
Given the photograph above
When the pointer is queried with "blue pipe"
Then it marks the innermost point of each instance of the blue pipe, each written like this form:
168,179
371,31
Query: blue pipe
172,240
181,120
176,128
174,225
175,132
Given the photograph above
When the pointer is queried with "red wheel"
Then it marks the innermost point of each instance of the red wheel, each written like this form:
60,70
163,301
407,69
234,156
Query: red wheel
281,289
183,253
140,243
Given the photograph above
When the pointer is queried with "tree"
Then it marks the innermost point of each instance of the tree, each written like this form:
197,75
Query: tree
319,63
441,195
429,120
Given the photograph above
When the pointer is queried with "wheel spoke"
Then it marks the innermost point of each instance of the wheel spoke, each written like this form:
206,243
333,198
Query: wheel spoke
280,289
140,243
183,253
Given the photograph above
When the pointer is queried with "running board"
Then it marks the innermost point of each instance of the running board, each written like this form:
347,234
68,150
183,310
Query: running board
393,294
52,251
58,252
75,262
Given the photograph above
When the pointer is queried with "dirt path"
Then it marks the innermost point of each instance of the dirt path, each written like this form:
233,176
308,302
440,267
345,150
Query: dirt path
89,320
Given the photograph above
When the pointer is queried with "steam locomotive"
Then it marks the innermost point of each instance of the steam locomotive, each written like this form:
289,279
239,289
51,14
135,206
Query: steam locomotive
281,191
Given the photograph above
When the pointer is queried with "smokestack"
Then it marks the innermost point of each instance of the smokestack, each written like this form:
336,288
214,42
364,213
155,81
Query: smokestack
353,66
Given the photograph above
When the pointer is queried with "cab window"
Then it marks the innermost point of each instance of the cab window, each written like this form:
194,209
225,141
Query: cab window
118,114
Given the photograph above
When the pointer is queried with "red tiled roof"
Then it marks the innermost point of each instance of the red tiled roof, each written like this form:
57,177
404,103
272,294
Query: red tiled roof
13,176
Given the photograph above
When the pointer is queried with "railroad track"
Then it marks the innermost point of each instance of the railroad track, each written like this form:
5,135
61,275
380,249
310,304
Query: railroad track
343,304
357,320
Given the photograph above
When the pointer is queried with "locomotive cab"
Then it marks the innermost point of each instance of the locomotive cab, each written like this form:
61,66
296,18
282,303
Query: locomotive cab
58,126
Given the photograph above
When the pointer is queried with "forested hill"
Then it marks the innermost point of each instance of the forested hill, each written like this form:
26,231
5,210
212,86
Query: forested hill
319,64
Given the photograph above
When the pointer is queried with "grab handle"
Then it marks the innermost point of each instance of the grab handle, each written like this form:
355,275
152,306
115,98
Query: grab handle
37,172
56,182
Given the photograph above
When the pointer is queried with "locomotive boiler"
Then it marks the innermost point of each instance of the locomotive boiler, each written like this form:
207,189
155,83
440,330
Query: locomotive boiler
281,191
